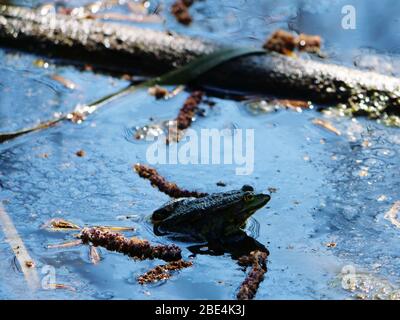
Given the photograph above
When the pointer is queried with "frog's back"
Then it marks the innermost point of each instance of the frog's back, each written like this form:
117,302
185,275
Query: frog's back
192,209
168,209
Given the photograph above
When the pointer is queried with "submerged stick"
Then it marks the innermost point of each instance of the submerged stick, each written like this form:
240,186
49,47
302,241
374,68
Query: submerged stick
126,47
21,253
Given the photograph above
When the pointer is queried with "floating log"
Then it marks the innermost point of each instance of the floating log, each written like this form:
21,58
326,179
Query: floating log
126,47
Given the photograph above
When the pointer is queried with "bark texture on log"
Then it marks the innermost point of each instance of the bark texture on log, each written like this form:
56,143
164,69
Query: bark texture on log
109,43
128,47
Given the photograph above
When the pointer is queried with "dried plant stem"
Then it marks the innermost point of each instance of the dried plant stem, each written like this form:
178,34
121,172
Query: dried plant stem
43,125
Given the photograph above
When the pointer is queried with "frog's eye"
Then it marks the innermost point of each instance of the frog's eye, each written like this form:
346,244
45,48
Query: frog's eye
248,197
246,187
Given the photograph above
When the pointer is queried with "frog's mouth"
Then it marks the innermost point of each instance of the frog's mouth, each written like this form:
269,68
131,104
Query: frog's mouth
256,203
259,201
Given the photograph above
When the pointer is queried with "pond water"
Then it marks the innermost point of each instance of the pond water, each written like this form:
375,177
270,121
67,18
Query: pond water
326,216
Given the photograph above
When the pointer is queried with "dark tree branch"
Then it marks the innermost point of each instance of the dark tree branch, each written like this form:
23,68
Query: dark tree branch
127,47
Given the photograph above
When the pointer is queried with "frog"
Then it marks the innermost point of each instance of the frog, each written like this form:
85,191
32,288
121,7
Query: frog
215,218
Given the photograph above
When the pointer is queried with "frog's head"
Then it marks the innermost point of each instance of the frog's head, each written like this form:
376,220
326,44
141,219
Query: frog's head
235,207
245,202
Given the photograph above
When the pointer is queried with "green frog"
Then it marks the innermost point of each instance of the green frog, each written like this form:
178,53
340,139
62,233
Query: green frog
210,218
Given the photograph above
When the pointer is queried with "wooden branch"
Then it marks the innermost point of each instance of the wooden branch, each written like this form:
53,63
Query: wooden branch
126,47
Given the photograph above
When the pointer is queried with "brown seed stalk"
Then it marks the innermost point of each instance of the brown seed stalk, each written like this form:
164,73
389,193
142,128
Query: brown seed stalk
169,188
185,116
135,248
248,289
286,43
163,272
180,9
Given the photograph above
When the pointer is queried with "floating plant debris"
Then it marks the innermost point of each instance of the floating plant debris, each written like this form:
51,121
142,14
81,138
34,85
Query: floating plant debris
392,214
158,92
65,82
68,244
185,117
290,103
331,244
163,272
149,131
189,109
326,125
180,9
40,63
80,153
365,285
272,190
94,255
264,105
363,172
162,93
59,286
284,42
221,184
258,106
163,185
134,247
281,41
58,224
116,229
29,264
44,155
309,43
248,289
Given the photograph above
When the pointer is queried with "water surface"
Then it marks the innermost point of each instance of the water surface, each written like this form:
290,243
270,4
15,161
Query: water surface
329,188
